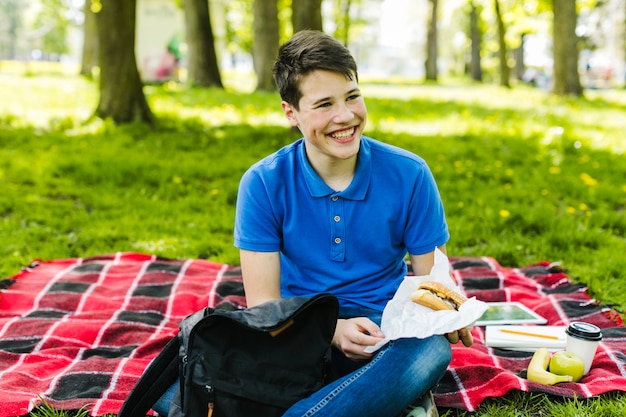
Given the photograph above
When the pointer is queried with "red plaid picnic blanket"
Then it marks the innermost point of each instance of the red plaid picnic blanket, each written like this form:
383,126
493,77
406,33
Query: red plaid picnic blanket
78,333
480,372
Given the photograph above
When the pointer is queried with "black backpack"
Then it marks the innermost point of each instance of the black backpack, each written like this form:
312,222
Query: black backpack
240,363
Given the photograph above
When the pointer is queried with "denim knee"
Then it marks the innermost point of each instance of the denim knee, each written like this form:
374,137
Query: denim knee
432,362
442,346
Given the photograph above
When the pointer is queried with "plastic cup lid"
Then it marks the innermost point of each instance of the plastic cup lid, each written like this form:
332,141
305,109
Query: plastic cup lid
585,331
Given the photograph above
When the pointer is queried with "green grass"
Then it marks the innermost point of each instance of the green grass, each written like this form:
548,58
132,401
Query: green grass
518,404
524,177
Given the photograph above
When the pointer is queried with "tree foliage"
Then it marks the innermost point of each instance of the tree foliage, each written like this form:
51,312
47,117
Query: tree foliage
51,27
239,20
10,25
342,20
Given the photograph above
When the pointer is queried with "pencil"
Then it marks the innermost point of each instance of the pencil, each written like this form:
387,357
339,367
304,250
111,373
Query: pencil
545,336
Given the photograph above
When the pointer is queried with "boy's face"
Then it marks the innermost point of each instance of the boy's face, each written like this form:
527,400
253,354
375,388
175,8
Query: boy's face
331,117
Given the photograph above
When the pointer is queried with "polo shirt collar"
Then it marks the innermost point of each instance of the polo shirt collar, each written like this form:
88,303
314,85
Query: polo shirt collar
357,188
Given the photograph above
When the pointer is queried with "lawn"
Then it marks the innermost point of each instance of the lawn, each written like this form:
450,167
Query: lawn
524,177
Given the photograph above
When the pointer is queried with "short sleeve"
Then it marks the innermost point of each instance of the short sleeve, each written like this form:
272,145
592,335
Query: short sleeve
426,225
257,227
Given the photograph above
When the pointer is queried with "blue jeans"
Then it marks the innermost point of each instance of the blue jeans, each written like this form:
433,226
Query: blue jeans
397,376
162,406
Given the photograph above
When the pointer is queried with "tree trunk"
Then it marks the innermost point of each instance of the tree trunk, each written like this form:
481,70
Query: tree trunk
520,64
431,43
306,14
505,71
203,70
343,21
89,59
121,89
341,15
11,24
266,38
566,77
476,41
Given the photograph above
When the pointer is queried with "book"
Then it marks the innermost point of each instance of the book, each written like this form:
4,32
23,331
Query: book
526,338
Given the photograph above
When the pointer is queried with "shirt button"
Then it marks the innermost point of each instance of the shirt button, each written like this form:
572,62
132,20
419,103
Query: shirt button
334,198
337,240
336,218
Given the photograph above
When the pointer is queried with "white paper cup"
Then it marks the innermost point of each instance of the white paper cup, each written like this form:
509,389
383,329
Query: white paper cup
582,339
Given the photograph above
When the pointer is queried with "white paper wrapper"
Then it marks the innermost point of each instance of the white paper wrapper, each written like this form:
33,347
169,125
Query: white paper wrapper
404,318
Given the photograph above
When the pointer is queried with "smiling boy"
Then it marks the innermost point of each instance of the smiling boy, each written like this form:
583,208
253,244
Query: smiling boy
338,212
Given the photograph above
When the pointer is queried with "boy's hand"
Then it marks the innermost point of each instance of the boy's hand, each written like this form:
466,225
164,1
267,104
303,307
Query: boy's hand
463,334
353,335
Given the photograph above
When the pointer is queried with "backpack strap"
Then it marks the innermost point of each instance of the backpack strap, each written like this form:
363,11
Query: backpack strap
158,376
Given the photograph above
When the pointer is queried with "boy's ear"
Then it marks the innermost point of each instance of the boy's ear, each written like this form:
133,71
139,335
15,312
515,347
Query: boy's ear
290,113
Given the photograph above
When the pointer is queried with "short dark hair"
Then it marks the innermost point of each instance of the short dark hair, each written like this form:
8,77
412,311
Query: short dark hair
305,52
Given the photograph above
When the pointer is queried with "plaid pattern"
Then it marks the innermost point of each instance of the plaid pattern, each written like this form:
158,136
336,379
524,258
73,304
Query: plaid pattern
480,372
79,332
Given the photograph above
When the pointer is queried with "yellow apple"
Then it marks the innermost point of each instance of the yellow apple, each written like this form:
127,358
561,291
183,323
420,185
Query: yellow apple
567,363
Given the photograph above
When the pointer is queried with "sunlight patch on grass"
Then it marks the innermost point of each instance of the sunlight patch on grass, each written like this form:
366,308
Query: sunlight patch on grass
157,246
225,114
597,121
42,100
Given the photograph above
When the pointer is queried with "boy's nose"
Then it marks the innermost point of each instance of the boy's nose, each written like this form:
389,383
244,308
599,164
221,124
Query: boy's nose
343,114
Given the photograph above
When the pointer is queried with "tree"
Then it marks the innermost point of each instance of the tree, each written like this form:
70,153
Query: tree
342,20
89,58
505,71
266,38
431,43
566,77
121,89
11,10
51,29
203,69
520,63
476,41
306,14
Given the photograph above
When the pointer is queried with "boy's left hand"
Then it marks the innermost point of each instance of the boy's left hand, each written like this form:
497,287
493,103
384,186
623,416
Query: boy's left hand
463,334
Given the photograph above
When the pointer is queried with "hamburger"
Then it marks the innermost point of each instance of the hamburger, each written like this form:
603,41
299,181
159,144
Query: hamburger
437,296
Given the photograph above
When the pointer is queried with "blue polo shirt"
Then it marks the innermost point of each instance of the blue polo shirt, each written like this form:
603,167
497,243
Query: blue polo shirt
350,243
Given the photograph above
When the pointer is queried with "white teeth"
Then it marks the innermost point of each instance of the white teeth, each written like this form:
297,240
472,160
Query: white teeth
343,134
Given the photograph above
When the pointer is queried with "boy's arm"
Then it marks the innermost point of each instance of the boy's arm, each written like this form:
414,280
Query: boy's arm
422,264
261,281
261,276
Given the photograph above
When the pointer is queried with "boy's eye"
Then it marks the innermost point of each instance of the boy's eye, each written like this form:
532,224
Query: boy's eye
324,105
353,97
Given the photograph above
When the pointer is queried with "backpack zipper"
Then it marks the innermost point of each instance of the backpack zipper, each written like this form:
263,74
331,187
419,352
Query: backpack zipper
182,377
211,404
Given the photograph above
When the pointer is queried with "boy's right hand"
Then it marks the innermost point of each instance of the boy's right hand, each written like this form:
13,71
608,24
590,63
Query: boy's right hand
353,335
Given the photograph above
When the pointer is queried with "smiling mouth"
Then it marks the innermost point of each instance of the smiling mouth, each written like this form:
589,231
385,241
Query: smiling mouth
343,135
